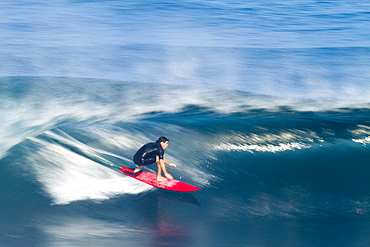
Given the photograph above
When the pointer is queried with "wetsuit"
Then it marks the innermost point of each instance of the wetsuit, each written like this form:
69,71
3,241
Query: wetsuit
147,154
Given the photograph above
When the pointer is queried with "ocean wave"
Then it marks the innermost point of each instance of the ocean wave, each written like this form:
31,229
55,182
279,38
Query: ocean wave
70,135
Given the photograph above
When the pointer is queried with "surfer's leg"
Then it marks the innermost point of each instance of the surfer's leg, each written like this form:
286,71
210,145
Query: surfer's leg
164,169
160,165
144,162
138,169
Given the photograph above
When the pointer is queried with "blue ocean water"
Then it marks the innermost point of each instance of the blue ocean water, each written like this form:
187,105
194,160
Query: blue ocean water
266,105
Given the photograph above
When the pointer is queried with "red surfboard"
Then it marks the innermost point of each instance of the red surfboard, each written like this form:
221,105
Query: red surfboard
151,179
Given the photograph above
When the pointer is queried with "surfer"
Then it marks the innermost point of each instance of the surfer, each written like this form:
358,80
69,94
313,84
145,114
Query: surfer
152,153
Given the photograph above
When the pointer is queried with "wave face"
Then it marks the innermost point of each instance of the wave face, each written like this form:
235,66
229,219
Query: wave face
280,166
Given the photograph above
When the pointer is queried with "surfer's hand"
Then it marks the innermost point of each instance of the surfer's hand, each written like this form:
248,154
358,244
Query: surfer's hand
172,164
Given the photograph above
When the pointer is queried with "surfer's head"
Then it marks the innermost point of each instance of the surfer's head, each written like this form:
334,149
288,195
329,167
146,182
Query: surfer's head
163,141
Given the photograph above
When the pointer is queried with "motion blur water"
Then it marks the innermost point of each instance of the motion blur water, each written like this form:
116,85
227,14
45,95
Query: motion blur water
266,106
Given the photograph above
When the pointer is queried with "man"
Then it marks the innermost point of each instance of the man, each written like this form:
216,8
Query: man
154,153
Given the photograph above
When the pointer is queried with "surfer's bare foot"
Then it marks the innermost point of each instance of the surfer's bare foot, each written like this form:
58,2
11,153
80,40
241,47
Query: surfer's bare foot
137,170
169,176
161,179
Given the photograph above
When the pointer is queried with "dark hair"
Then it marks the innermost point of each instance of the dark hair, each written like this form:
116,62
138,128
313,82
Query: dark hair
162,139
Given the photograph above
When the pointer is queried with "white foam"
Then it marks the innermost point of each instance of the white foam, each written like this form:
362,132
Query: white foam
262,148
268,142
68,177
360,131
363,141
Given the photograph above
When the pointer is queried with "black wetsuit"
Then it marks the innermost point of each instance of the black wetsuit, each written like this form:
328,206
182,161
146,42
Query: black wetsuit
147,154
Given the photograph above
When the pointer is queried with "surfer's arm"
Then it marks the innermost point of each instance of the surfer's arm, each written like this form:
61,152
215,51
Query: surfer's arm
169,163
